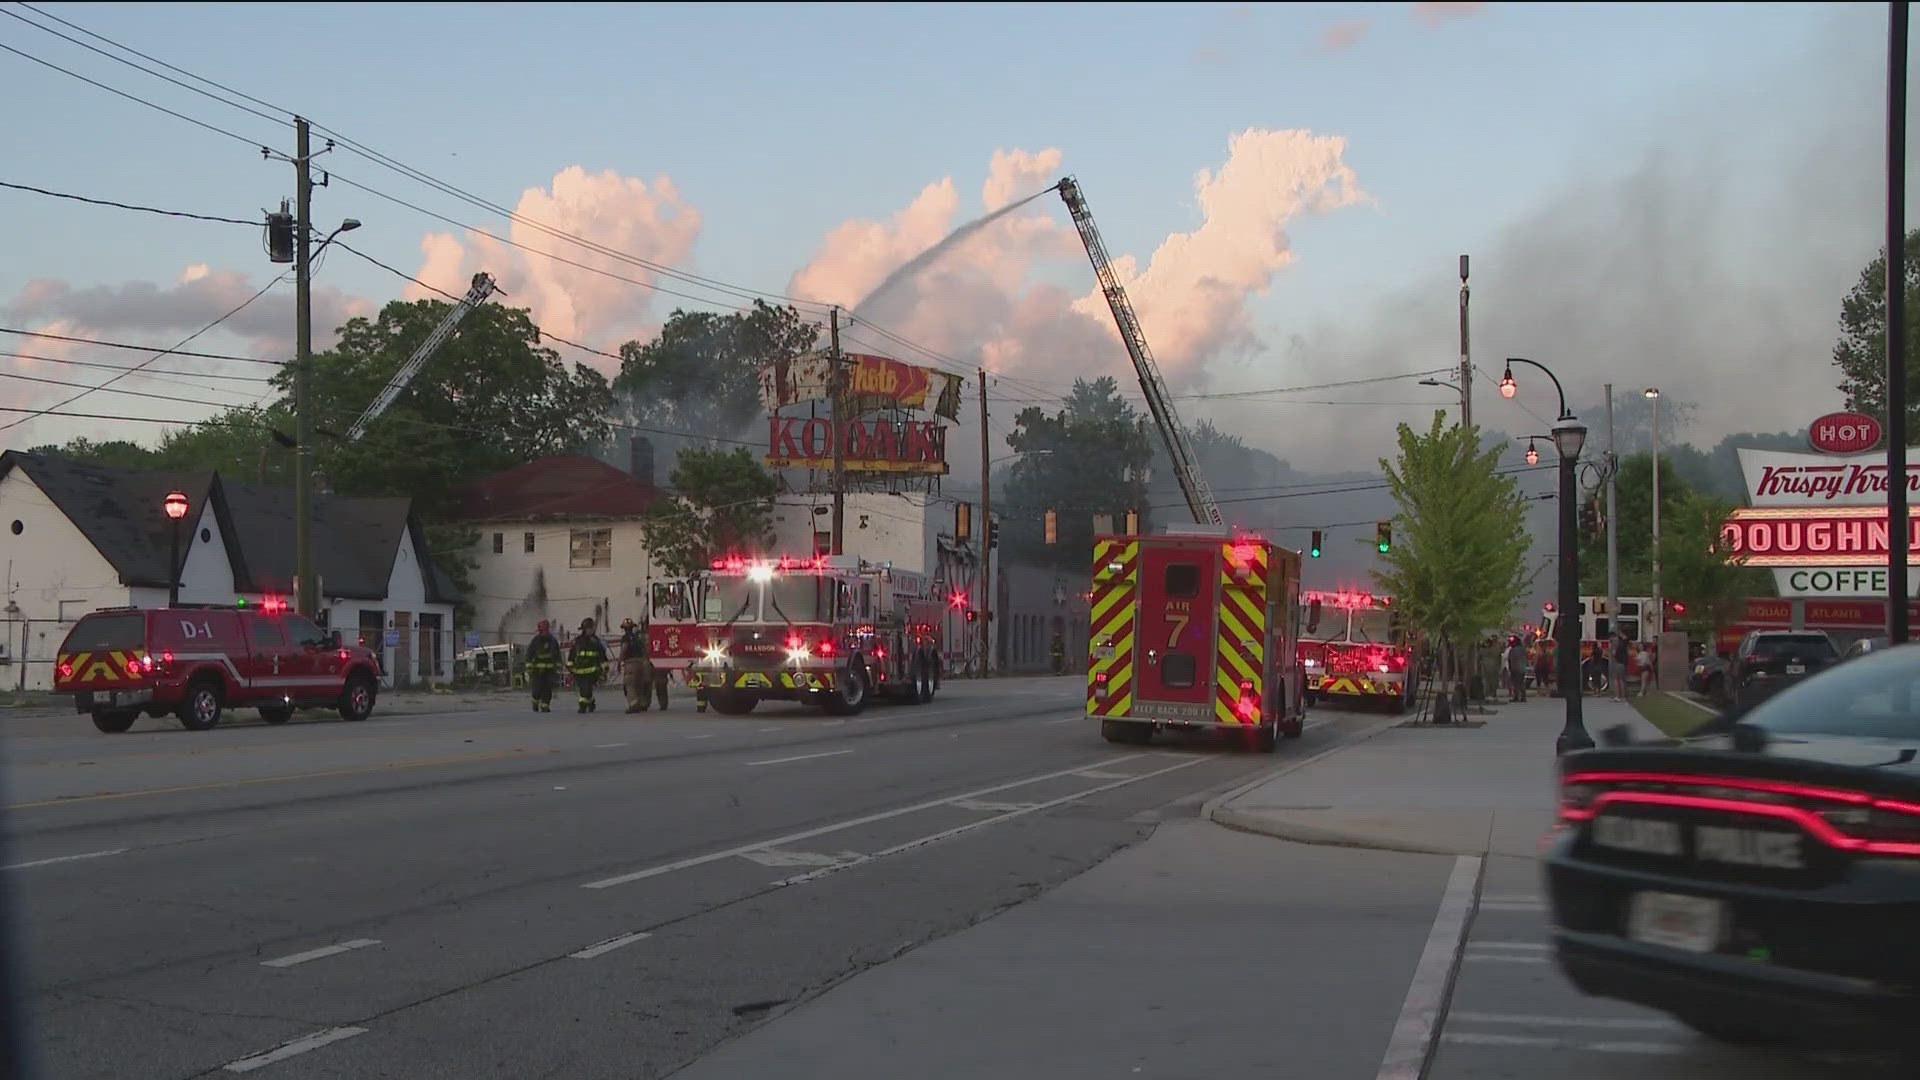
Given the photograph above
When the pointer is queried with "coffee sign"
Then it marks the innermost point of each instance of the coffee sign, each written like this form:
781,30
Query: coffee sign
1844,433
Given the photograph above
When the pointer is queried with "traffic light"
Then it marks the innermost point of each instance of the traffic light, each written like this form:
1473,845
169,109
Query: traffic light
1383,535
993,535
1053,527
972,615
1315,549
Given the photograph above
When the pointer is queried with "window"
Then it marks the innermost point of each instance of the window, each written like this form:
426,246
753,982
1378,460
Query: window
590,549
1183,581
267,634
1176,671
499,543
526,543
303,632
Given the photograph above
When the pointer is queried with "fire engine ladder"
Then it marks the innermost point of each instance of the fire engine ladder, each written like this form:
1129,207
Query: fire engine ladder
482,288
1186,468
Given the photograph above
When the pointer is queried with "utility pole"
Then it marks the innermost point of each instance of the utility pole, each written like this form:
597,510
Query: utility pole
307,599
986,538
835,380
1897,621
1466,357
1614,670
1659,604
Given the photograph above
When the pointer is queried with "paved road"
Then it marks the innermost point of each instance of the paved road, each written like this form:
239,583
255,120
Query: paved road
489,894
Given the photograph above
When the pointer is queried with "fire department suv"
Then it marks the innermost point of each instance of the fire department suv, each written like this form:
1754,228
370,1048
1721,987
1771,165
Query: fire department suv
1357,653
197,662
1194,628
831,631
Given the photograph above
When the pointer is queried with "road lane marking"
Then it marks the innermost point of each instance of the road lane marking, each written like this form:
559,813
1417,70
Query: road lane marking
65,858
800,757
983,822
790,838
608,946
469,759
315,954
1529,1020
288,1049
1411,1046
1064,720
991,807
1510,898
764,730
608,745
775,857
708,735
1089,774
1471,1039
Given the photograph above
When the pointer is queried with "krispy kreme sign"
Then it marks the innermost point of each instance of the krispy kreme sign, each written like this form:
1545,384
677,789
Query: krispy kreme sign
1840,536
1775,478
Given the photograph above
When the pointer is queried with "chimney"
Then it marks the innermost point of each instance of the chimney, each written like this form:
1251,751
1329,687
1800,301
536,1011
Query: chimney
640,460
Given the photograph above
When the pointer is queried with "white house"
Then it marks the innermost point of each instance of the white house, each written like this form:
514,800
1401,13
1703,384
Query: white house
559,539
79,537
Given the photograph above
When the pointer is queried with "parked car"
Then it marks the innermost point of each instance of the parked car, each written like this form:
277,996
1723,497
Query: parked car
1862,647
1769,661
197,662
1760,888
1708,677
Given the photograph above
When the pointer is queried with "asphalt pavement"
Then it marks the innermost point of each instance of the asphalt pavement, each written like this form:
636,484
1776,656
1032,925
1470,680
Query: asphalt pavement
488,892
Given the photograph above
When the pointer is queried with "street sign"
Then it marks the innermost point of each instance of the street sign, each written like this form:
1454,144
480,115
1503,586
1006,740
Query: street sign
392,640
473,640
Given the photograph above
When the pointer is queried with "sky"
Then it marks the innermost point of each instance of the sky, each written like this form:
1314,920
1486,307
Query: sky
1651,194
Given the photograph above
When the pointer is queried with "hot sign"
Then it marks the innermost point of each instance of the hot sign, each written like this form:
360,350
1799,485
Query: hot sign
1844,433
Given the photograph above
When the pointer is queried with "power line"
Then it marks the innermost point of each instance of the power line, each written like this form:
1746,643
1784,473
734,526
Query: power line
129,63
102,388
136,99
121,416
150,59
183,341
143,374
125,206
142,348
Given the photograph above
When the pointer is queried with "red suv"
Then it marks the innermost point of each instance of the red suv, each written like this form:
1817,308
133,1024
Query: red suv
197,661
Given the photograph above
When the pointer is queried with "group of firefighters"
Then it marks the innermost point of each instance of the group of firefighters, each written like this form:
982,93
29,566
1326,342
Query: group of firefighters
586,660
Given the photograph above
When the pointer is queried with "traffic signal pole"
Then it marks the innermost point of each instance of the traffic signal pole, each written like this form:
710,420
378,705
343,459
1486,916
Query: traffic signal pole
986,538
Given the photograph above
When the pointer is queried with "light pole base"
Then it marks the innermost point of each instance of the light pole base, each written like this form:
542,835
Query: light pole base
1572,739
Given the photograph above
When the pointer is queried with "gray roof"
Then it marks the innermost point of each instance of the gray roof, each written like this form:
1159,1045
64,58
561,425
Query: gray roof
354,539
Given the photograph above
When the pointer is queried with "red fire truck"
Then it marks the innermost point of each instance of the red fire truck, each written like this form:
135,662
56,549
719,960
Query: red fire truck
831,631
1358,653
1195,629
1597,624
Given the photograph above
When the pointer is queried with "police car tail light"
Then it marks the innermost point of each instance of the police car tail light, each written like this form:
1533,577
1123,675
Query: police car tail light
1849,821
1576,801
1884,824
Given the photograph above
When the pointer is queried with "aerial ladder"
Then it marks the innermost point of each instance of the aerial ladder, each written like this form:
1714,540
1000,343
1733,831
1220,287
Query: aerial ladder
483,287
1186,467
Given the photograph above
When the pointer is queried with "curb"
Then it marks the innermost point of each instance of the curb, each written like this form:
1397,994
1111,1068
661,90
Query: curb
1240,821
1212,807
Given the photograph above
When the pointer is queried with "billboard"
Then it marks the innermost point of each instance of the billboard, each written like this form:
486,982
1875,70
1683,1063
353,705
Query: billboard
873,383
879,445
1842,536
1777,478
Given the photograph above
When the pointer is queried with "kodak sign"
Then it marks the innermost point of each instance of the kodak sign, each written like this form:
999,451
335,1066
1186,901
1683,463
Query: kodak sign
914,446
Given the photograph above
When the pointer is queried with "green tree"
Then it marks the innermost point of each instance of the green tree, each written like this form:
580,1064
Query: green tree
723,506
1089,457
1633,510
1861,353
701,374
114,453
1696,573
1458,563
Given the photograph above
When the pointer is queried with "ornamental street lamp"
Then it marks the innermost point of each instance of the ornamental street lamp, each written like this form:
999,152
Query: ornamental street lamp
176,508
1569,437
1659,612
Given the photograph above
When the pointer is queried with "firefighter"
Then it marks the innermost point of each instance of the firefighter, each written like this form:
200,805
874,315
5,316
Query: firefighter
588,661
1059,652
543,666
635,672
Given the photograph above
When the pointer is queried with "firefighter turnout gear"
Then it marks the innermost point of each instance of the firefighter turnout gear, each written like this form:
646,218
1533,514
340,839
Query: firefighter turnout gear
638,677
587,660
543,667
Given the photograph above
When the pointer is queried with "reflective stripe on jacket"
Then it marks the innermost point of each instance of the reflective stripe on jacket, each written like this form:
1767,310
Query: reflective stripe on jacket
588,657
543,653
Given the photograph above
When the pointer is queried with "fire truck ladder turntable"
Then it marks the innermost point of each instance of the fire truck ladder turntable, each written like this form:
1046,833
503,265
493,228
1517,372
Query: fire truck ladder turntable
483,287
1186,468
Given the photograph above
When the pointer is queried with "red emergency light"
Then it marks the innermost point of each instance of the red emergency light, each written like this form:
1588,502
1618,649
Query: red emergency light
957,600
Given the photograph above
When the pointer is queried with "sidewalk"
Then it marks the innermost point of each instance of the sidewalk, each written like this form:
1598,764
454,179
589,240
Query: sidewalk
1437,790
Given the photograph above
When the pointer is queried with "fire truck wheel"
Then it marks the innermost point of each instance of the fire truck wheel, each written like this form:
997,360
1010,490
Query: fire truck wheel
114,721
1126,731
922,678
849,694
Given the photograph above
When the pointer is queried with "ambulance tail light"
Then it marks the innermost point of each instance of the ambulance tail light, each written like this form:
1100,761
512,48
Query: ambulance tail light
1100,684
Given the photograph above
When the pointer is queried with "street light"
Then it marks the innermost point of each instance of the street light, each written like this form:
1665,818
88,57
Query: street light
176,508
1659,612
1456,388
1569,438
1533,456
